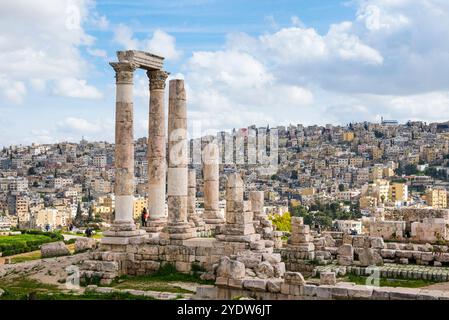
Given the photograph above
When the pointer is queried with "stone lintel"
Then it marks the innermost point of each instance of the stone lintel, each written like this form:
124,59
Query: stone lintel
141,59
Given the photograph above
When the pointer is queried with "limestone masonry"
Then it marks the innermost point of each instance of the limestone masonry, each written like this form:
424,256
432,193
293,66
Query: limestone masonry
241,250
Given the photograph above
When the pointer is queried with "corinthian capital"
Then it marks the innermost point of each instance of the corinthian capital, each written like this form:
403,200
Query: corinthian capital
157,79
124,72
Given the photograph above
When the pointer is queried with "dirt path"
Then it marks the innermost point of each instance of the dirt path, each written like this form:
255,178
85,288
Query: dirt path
443,286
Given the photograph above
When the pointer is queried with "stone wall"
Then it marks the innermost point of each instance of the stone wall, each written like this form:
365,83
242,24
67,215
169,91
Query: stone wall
388,230
430,230
340,291
410,215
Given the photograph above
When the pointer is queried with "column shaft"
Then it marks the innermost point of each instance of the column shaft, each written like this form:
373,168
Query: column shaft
156,146
124,143
191,205
178,153
178,226
211,188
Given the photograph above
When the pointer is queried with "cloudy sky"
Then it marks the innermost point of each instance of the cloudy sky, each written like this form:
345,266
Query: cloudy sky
245,62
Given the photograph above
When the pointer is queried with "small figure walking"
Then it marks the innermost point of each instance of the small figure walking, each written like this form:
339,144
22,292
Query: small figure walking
144,217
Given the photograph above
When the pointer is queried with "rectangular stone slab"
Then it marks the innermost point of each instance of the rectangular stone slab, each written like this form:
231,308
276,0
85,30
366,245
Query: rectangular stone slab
141,59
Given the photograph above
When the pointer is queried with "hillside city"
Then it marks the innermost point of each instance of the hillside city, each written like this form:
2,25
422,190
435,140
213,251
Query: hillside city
338,178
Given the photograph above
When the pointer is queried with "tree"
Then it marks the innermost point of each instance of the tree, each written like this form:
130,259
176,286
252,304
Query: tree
378,134
294,175
90,216
281,222
78,216
341,187
410,169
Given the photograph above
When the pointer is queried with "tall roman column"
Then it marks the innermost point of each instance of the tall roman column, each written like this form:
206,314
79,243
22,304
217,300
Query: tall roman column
191,202
156,151
192,214
211,184
178,227
123,226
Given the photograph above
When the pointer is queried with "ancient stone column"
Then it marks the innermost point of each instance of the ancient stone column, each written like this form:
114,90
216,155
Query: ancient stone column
156,152
210,158
257,200
239,220
178,227
192,215
262,224
191,203
123,226
234,197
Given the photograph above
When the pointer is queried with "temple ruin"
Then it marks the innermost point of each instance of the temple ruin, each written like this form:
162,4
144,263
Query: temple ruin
240,251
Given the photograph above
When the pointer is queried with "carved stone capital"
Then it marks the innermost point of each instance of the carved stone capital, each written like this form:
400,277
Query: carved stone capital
157,79
124,72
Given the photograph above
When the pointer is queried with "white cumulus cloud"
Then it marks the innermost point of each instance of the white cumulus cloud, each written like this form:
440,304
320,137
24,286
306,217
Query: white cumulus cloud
41,40
74,88
159,43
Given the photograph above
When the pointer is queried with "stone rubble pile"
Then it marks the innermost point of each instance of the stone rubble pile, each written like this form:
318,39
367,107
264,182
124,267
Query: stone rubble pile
250,270
262,224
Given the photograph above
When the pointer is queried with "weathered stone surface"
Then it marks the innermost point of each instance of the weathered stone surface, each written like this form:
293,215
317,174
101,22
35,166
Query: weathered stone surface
294,278
250,260
309,290
250,272
328,278
369,257
156,145
83,244
235,283
358,241
344,261
388,253
377,243
346,250
329,241
272,258
228,268
324,292
255,284
54,249
279,269
264,270
274,285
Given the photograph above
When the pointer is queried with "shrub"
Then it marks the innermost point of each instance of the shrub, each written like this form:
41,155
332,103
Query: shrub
282,222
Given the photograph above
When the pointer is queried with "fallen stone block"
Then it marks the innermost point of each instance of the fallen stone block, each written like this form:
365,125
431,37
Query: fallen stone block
255,284
54,249
328,278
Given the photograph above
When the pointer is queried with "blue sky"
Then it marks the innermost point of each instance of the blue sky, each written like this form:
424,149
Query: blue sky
244,62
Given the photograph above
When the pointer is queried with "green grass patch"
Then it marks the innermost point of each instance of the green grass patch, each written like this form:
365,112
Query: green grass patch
30,289
385,282
21,288
91,296
29,240
164,280
34,255
97,235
